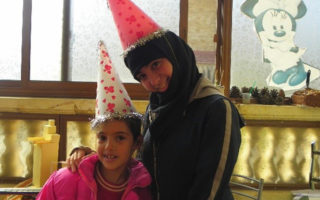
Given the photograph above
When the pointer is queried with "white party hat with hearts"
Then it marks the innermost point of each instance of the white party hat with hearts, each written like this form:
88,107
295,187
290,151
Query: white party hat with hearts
112,97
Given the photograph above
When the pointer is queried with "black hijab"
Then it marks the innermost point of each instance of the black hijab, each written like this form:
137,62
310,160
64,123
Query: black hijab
170,105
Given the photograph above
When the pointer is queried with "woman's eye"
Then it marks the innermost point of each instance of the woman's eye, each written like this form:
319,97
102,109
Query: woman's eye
141,77
155,64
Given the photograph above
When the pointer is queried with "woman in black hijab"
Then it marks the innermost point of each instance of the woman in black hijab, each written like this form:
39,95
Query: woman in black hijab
191,131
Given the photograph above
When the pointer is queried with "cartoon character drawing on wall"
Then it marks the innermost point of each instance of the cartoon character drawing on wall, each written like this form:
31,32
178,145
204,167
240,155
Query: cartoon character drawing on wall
275,23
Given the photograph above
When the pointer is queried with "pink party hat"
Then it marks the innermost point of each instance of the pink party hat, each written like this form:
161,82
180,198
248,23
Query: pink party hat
112,97
134,26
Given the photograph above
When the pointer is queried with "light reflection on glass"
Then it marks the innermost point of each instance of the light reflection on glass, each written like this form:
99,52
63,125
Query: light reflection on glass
10,39
46,40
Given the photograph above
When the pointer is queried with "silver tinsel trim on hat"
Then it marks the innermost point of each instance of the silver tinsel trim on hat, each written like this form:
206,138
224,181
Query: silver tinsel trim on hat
142,41
98,120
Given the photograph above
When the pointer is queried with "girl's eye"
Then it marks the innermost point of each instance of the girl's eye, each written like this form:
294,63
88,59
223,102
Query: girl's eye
119,138
101,138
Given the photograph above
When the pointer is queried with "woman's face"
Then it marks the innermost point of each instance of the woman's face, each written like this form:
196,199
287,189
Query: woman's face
156,76
115,145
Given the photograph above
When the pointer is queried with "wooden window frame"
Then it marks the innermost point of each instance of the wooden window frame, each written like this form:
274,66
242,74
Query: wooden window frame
223,39
28,88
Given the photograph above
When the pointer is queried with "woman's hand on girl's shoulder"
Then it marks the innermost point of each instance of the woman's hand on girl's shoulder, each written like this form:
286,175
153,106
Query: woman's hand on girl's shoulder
77,155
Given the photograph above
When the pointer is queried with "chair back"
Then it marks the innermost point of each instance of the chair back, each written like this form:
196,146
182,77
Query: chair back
246,186
313,179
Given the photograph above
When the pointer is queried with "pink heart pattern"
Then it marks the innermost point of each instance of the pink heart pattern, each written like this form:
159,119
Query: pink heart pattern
132,23
109,89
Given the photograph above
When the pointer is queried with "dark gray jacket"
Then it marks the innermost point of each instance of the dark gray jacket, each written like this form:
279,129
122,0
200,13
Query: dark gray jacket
200,164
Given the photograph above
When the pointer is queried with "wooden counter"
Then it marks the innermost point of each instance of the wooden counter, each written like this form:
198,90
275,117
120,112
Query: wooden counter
275,143
280,113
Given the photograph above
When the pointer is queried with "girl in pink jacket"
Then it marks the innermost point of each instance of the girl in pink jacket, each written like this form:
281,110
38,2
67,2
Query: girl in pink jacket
111,173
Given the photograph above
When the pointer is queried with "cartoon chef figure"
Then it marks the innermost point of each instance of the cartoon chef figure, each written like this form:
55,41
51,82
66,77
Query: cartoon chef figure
275,23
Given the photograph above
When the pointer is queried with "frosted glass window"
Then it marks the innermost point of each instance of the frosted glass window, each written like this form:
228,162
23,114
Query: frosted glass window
92,21
46,40
10,39
275,47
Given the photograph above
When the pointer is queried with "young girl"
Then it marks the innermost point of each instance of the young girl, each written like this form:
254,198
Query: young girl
111,173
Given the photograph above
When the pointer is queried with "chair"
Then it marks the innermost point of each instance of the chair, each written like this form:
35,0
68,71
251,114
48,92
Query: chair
248,187
313,180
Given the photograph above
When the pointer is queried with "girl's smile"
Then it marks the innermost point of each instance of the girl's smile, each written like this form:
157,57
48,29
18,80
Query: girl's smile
109,158
115,145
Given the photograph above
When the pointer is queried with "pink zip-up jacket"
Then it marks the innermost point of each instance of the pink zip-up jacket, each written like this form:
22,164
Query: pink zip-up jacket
81,185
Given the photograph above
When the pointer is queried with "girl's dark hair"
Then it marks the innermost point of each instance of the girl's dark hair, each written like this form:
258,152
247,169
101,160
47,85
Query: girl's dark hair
133,121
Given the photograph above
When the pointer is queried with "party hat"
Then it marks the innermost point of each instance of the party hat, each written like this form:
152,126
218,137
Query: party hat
112,97
134,26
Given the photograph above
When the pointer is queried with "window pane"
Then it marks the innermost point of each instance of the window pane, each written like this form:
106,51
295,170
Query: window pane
10,39
258,49
46,40
92,21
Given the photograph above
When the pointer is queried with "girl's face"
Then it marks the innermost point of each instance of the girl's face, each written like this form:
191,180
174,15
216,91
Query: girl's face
115,146
156,76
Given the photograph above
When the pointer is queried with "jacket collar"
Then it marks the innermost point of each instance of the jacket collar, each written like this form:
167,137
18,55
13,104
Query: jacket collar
139,176
203,88
86,171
